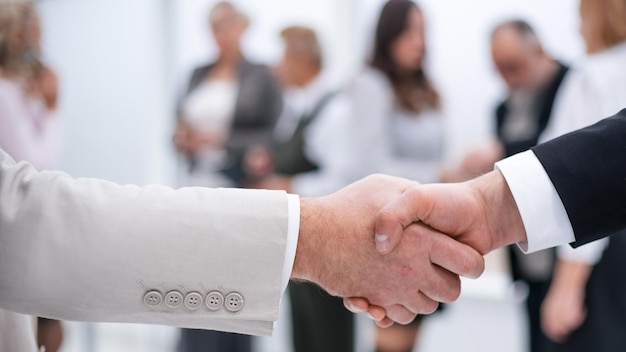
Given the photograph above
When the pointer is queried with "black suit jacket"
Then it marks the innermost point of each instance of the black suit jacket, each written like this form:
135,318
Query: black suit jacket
588,170
544,112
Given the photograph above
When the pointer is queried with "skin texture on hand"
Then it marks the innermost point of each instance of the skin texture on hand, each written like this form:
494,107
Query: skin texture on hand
335,250
480,213
563,310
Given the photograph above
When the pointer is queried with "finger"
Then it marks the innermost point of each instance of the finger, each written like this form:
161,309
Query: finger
360,305
442,285
409,207
453,255
385,323
356,304
377,313
418,303
400,314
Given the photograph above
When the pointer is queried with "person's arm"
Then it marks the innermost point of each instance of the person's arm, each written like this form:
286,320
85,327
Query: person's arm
588,169
529,206
91,250
563,310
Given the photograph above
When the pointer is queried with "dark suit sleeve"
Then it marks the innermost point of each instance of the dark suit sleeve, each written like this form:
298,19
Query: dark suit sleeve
588,170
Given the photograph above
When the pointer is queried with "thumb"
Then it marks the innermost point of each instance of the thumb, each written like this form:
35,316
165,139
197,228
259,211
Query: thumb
409,207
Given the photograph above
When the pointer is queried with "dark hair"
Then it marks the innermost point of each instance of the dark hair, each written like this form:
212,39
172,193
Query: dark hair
414,90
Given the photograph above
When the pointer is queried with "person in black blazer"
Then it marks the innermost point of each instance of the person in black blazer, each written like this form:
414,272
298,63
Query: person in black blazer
533,79
534,270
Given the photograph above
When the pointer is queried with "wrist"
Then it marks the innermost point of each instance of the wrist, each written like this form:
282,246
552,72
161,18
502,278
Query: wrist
504,222
309,241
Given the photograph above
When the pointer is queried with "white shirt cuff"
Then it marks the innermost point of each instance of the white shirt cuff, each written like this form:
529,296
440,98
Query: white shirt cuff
545,218
293,230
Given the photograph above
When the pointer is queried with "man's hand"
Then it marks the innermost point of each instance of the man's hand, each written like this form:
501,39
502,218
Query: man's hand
563,310
335,250
480,213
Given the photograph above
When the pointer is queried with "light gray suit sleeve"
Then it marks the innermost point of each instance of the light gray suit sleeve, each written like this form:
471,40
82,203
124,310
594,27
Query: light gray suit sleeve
91,250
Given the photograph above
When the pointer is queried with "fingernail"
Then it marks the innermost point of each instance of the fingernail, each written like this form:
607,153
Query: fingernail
382,242
354,309
371,316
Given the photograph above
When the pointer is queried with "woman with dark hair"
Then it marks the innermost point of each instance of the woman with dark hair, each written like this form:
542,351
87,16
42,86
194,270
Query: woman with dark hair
396,123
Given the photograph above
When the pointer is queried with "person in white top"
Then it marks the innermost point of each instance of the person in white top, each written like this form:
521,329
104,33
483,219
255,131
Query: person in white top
30,125
596,88
396,124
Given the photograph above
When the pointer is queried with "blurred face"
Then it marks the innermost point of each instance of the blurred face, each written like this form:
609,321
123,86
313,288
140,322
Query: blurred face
288,69
407,51
227,32
517,62
295,70
27,37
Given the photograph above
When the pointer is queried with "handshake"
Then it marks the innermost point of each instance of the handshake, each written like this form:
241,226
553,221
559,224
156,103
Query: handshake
395,248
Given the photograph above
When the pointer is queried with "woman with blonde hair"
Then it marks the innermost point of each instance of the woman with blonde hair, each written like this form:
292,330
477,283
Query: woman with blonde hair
231,105
30,129
29,126
585,309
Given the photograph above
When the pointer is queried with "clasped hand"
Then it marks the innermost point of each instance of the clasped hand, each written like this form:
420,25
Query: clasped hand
481,214
335,250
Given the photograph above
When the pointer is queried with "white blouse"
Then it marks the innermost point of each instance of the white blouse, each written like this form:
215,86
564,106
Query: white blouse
209,108
385,138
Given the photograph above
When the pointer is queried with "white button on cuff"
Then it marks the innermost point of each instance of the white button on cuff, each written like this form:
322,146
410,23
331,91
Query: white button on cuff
234,302
193,300
174,299
214,300
152,298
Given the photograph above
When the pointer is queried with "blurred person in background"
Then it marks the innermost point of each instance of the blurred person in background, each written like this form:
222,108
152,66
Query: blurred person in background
231,105
396,123
533,79
304,159
30,129
585,309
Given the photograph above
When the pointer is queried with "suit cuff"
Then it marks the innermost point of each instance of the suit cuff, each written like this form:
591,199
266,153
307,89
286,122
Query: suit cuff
293,229
543,214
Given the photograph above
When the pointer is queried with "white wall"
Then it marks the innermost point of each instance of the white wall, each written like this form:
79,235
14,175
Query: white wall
110,56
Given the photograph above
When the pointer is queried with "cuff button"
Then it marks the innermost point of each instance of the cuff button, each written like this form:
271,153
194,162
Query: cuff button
152,298
193,300
214,300
234,302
